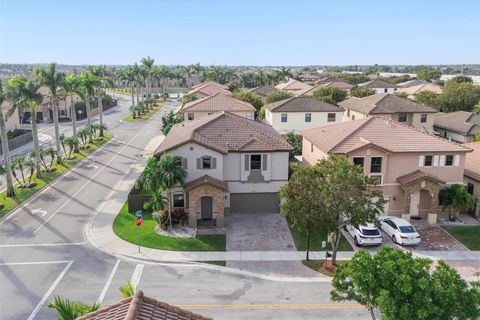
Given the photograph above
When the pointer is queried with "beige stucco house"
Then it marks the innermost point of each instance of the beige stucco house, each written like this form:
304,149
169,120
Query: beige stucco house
379,86
233,164
208,88
293,86
299,113
214,103
263,91
12,118
410,166
472,174
414,90
390,106
459,126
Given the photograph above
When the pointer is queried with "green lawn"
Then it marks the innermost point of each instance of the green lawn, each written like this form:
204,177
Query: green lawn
124,227
151,112
300,240
468,235
317,265
22,194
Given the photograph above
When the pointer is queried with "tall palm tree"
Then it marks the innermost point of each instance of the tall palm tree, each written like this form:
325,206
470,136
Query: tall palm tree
147,64
24,94
51,78
71,86
130,77
101,72
4,138
455,198
88,82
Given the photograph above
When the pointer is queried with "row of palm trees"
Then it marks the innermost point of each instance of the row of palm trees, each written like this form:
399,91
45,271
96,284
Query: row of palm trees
24,93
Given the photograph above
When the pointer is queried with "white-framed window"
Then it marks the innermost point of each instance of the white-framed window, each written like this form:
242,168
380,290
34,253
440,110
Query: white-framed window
206,163
331,117
308,117
385,90
255,162
402,117
428,161
190,116
376,165
378,179
178,200
449,160
284,117
423,118
249,115
359,161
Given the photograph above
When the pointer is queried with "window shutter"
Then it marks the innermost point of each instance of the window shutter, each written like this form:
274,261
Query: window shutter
435,160
184,163
247,164
421,161
199,163
214,163
264,162
442,160
456,160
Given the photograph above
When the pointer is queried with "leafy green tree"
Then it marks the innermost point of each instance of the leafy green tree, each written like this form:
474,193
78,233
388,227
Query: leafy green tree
188,98
247,96
330,95
429,74
427,98
455,198
338,193
461,79
70,310
261,113
361,92
459,96
275,96
402,95
295,141
353,78
169,120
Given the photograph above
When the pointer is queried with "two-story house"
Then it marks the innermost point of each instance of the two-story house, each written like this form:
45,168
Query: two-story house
390,106
379,86
293,86
459,126
299,113
217,102
233,164
208,88
263,91
410,166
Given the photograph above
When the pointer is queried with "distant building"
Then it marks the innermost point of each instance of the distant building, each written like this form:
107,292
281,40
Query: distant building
459,126
379,86
217,102
293,86
263,91
414,90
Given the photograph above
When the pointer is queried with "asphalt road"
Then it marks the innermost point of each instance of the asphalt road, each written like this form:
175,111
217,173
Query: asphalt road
43,252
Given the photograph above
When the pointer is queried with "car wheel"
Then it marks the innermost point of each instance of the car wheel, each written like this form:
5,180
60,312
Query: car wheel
355,240
394,239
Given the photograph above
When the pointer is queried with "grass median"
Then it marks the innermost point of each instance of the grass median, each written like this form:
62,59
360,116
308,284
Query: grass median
316,239
144,117
468,235
22,194
124,227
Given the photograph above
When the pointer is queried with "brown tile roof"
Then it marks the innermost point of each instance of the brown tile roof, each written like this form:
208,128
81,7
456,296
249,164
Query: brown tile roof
328,79
417,175
209,89
218,102
422,87
263,90
293,85
377,83
338,84
140,307
382,103
212,83
472,160
384,133
206,179
302,104
463,122
225,132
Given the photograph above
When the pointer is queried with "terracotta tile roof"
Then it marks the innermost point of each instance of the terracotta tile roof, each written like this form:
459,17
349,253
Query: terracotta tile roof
463,122
225,132
218,102
417,175
377,83
292,85
209,89
421,87
213,83
302,104
472,160
140,307
384,133
382,103
263,90
338,84
206,179
328,79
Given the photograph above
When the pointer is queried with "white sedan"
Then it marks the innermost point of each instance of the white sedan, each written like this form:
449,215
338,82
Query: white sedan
367,235
400,231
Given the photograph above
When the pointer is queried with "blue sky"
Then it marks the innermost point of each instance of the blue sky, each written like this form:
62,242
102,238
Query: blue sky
243,32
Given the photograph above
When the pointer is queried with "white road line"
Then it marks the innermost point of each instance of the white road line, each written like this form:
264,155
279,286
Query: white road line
49,292
82,187
108,283
43,244
137,274
27,263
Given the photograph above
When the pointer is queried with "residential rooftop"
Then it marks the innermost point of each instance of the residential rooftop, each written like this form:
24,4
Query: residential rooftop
218,102
472,161
377,83
461,122
302,104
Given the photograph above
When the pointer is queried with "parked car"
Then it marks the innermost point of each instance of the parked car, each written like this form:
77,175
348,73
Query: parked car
367,235
400,230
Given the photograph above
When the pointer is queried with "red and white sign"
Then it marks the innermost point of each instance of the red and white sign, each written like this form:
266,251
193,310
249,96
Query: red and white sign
139,221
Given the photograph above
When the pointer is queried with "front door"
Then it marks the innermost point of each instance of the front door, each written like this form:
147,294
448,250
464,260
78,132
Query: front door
206,208
414,203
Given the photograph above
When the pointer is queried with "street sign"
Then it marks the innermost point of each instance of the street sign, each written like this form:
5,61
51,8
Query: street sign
139,221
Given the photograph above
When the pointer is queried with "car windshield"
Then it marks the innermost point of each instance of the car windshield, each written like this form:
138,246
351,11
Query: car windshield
407,229
370,232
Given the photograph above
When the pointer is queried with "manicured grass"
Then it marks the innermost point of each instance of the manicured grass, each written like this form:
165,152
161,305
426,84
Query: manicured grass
22,194
468,235
144,117
220,263
316,239
124,227
318,266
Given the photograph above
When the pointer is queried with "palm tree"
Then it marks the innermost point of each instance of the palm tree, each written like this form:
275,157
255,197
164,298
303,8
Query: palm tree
101,72
455,198
129,76
53,79
88,82
71,86
127,290
4,138
70,310
24,93
147,64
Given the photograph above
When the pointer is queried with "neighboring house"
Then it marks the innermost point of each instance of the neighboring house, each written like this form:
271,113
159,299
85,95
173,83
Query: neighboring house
459,126
217,102
45,110
379,86
389,106
299,113
337,84
263,91
308,77
293,86
414,90
234,165
12,121
472,174
140,307
410,166
208,88
410,83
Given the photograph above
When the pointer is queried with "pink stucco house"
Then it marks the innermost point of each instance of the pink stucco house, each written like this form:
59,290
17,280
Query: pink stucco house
411,166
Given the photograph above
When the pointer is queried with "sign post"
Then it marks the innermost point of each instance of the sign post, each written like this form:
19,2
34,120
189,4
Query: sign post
138,223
